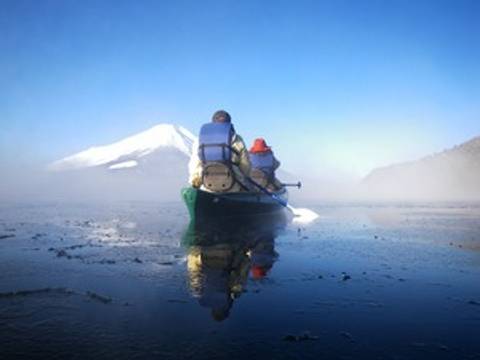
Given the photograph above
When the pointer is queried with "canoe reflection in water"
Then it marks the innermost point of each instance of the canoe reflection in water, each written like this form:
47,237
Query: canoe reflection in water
221,255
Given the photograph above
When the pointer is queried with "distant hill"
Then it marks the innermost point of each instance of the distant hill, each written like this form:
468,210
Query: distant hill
453,174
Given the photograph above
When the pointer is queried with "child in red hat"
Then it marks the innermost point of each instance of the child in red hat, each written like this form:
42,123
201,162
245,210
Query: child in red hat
264,165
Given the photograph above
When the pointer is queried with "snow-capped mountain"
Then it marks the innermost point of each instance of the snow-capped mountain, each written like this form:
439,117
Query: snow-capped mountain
128,152
151,165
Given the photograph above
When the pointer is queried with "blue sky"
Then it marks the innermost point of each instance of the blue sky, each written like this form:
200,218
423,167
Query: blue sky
335,86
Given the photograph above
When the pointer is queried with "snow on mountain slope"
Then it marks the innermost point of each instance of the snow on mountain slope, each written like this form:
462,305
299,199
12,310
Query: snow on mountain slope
123,165
128,150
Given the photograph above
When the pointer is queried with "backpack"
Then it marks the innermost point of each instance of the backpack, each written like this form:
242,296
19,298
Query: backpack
215,152
263,171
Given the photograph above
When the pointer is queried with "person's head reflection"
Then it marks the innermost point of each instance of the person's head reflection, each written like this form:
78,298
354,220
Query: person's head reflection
262,257
220,260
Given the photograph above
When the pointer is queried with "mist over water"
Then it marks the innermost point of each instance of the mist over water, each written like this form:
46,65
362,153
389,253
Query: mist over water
158,169
451,176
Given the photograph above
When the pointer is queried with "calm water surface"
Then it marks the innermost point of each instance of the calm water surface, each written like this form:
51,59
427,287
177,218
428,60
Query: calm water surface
137,280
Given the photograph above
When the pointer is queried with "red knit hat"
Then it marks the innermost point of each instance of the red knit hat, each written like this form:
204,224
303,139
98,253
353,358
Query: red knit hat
259,146
258,272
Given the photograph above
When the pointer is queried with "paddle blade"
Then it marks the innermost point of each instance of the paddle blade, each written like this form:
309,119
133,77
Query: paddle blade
303,216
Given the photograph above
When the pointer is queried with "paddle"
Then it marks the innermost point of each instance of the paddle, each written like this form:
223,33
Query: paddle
301,215
275,197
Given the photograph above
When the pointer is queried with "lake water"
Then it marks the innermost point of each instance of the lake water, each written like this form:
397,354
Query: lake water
136,280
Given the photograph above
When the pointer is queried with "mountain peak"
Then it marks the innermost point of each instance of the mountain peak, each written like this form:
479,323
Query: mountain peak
131,148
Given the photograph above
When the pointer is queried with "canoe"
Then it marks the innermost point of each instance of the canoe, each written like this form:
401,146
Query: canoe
206,205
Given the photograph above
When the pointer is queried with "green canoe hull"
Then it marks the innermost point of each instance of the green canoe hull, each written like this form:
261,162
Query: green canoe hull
205,205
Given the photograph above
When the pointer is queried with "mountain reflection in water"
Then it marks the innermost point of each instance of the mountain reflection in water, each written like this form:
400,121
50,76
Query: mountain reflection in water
221,255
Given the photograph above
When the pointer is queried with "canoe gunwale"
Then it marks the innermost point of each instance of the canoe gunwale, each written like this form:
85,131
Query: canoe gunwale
246,197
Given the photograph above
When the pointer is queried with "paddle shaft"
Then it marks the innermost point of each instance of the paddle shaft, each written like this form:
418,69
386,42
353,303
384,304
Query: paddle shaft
298,184
273,196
